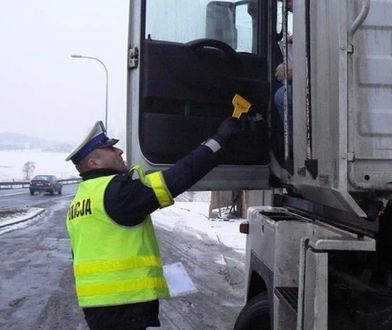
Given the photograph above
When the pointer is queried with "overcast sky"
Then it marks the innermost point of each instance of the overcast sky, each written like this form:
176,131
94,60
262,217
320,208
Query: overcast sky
46,93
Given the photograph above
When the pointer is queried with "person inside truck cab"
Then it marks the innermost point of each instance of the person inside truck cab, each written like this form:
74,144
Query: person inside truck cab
116,260
280,75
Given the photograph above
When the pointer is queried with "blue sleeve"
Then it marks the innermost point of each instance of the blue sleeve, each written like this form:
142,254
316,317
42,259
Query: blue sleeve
128,201
190,169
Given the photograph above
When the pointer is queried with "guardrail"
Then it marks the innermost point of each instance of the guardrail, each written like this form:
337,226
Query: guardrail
25,184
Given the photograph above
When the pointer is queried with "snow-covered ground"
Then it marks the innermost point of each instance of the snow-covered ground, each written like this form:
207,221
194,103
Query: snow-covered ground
16,218
12,162
192,217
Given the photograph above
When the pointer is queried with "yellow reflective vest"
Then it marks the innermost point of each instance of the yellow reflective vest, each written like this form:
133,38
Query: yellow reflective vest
114,264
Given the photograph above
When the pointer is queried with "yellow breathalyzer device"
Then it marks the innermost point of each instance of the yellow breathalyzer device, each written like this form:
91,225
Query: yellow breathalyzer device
240,106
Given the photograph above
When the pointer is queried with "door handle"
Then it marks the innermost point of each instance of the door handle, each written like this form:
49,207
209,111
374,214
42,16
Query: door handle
360,18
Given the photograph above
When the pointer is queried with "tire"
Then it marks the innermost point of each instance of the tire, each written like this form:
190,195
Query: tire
59,191
255,314
52,191
32,192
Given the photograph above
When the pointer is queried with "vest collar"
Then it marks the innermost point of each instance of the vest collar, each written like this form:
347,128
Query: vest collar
98,173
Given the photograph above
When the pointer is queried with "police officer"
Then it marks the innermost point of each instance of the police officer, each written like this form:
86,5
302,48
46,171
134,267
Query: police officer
116,261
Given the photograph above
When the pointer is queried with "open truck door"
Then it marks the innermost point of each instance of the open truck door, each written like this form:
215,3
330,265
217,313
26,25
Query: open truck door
187,60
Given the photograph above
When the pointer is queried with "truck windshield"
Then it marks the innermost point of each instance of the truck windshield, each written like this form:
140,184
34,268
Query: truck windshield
234,23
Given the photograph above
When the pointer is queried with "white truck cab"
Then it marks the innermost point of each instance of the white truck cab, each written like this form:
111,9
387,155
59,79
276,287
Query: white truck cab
321,249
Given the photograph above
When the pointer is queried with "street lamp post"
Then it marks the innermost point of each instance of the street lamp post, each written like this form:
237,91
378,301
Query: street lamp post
106,82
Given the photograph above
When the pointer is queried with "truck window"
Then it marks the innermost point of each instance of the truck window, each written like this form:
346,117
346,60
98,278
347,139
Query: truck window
179,21
244,27
185,20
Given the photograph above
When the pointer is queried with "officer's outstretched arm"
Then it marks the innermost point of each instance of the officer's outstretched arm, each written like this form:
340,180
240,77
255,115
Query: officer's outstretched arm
191,168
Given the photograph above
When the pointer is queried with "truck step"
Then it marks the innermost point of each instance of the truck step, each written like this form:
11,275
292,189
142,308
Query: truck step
289,295
280,216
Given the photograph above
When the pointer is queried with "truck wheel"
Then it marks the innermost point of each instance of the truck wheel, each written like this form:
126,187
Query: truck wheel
255,314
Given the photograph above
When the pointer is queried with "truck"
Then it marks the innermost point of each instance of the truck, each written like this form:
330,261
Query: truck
318,250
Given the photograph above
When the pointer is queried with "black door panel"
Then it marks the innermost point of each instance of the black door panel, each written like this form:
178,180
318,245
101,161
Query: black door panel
167,137
187,90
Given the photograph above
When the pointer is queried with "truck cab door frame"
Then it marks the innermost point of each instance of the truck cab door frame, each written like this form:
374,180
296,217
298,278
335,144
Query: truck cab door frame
180,90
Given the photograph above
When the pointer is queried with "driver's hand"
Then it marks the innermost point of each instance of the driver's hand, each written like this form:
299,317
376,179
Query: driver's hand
280,72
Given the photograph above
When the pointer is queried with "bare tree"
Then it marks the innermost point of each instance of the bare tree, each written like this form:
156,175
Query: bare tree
28,170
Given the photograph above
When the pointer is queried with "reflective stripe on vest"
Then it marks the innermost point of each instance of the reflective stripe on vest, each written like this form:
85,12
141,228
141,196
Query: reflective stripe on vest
88,268
157,183
110,288
113,264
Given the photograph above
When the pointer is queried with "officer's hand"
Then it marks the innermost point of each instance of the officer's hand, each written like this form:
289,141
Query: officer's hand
229,127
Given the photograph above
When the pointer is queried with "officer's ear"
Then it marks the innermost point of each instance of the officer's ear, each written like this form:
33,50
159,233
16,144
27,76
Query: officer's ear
94,163
86,165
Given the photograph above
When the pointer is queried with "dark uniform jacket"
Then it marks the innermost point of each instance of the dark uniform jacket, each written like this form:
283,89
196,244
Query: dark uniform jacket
128,202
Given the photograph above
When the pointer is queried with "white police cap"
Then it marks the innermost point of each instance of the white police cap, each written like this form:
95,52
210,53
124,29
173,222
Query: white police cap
95,139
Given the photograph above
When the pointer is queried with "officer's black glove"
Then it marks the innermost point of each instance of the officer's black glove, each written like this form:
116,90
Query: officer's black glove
228,128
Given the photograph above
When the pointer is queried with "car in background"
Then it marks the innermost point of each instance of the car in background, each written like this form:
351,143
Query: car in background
45,183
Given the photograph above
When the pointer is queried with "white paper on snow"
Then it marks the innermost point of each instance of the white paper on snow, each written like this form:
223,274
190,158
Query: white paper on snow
178,280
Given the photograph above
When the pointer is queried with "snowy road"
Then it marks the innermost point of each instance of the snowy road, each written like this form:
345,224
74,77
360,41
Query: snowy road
36,288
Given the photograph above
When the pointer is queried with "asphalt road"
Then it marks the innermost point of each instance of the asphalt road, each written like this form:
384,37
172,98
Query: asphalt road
37,290
15,198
